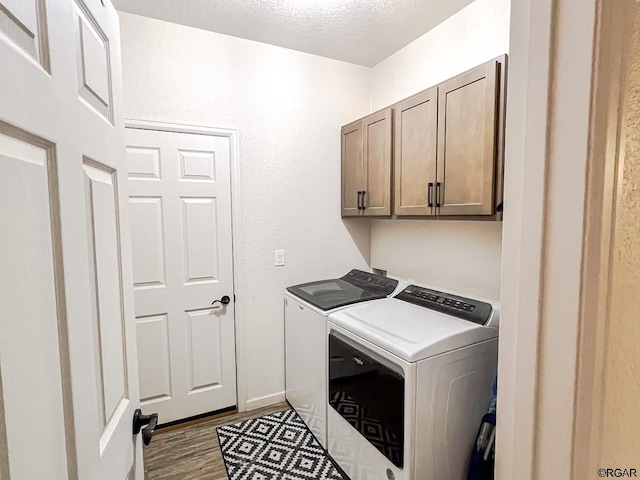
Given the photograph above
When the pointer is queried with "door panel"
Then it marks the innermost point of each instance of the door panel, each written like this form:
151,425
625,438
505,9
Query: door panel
204,336
180,200
147,227
415,130
106,287
68,290
197,166
23,23
93,65
32,319
377,161
153,352
144,163
467,142
199,224
352,168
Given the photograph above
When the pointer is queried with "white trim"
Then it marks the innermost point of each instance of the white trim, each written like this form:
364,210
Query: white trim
605,168
222,131
571,93
236,229
547,152
265,401
238,271
523,228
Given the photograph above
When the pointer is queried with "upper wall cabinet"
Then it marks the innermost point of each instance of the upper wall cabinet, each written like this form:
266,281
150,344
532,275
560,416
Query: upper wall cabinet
415,133
448,149
448,146
466,171
366,166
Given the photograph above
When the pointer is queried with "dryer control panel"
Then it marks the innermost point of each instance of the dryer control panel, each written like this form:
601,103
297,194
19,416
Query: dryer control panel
465,308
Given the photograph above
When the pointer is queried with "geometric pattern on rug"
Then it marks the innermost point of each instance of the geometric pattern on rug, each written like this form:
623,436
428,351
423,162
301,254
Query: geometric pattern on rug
274,447
378,435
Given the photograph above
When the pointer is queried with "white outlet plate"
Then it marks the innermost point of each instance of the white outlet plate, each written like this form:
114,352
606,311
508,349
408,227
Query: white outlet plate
279,258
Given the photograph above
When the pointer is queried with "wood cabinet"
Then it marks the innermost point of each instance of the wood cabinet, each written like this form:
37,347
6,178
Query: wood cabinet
467,113
415,134
352,169
447,151
376,200
448,146
366,166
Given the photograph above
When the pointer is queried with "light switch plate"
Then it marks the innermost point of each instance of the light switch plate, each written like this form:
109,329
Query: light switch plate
279,258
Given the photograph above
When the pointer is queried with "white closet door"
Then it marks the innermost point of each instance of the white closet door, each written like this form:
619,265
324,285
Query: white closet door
180,204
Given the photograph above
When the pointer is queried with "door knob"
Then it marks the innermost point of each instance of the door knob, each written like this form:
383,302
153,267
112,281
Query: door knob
140,420
223,301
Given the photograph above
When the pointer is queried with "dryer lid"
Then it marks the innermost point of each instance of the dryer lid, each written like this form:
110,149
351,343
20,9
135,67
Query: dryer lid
409,331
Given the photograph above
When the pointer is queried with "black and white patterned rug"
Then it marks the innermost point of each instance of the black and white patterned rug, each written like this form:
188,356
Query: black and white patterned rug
274,447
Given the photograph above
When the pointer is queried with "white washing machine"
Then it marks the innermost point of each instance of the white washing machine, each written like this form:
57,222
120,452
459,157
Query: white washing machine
306,309
409,381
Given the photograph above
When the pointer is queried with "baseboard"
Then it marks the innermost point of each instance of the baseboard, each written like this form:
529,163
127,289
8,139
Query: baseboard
265,401
189,421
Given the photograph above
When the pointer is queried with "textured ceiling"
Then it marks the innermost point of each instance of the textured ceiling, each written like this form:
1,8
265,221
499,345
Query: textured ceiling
357,31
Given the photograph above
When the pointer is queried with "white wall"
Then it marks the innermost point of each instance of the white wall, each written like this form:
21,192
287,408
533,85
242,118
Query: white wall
455,255
288,107
461,255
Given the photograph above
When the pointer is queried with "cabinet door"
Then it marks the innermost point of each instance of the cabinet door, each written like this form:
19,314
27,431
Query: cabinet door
352,169
415,129
467,142
377,163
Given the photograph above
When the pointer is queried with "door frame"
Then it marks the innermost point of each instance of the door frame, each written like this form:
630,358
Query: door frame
610,106
236,227
563,106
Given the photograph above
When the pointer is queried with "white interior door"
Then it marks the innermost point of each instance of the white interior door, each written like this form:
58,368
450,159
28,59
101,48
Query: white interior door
180,206
68,384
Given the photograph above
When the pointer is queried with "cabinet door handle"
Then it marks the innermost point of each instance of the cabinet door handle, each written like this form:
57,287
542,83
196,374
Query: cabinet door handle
438,192
430,195
359,207
364,192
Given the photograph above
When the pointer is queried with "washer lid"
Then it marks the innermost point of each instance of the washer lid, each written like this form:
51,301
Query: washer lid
409,331
356,286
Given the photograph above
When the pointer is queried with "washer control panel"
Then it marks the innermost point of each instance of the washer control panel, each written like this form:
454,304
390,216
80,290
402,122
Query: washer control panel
465,308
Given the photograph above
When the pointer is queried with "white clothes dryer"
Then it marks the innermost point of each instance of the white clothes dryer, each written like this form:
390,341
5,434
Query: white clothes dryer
409,381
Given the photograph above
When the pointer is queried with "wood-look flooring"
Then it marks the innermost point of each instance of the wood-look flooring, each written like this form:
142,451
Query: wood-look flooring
193,452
